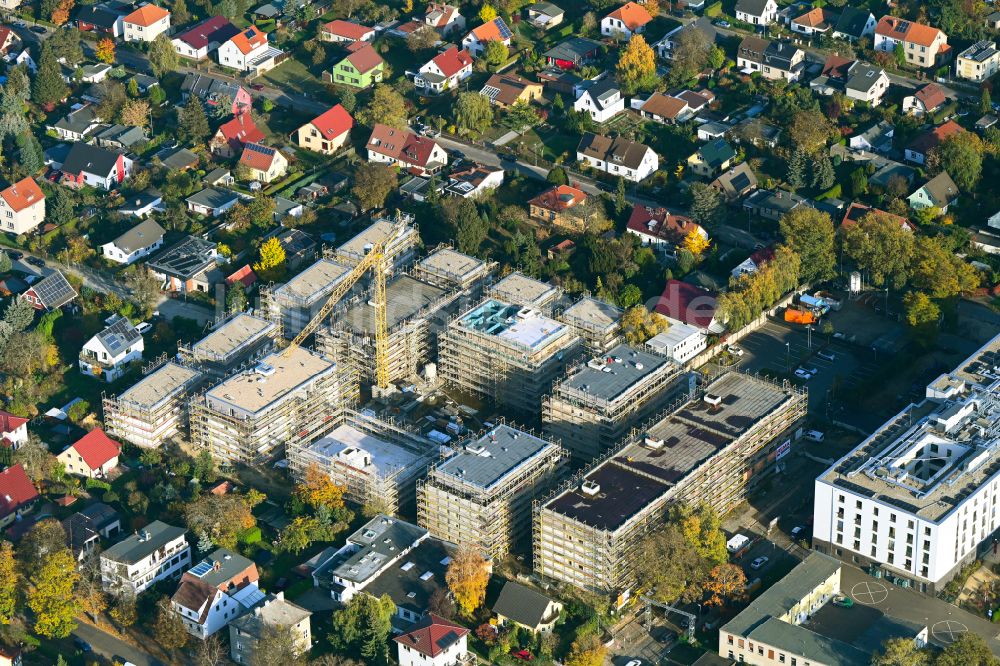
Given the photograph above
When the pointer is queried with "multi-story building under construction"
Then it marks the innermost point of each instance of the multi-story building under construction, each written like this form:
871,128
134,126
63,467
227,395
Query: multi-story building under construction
154,409
591,409
399,253
295,303
377,462
448,268
714,449
240,339
597,322
507,353
482,495
527,291
289,396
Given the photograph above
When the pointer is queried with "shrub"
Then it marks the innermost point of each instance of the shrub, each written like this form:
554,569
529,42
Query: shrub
97,484
714,9
832,193
250,536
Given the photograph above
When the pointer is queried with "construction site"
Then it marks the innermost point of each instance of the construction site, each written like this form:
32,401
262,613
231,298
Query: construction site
507,353
295,303
400,250
376,461
233,342
155,409
596,322
527,291
449,269
713,447
482,495
290,395
595,405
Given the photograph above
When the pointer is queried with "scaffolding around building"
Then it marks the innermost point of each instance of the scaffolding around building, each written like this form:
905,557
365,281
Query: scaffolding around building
597,322
155,409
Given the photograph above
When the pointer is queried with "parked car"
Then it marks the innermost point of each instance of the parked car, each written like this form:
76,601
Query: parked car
722,24
811,371
759,562
38,29
143,327
257,86
14,255
802,374
826,356
82,645
735,351
839,336
634,662
797,532
456,154
843,601
36,261
813,435
522,655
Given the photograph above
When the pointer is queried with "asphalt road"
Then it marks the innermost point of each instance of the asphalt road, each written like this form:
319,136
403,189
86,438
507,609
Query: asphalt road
108,646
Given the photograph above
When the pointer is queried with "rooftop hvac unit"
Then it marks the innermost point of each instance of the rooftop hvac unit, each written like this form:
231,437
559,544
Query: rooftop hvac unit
653,442
639,366
475,449
264,369
713,400
590,488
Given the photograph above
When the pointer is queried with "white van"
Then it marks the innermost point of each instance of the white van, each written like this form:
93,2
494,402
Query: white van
813,435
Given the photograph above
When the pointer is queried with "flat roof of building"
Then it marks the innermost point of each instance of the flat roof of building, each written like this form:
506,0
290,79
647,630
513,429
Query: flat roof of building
592,313
378,231
380,540
232,335
386,457
611,375
160,385
405,298
488,460
314,282
516,324
520,289
251,391
983,365
452,264
622,494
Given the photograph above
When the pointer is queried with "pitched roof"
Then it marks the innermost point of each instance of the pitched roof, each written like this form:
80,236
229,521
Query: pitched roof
22,194
363,57
452,61
147,15
242,129
715,153
54,291
931,96
141,236
333,122
10,422
941,189
249,40
815,18
257,156
400,144
687,303
492,30
432,635
935,137
661,223
347,29
244,276
858,211
439,15
217,29
907,31
852,21
573,49
559,198
665,106
96,448
633,15
16,490
506,89
84,157
119,335
521,604
616,151
752,7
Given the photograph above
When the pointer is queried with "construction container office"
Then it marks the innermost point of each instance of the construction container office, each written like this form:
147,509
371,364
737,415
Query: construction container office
596,404
482,495
507,353
290,396
155,409
597,322
376,461
714,448
234,341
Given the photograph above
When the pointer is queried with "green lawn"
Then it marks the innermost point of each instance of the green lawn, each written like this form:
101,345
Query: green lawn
293,76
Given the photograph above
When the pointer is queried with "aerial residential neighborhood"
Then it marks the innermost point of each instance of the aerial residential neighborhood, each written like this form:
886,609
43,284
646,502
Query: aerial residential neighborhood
351,332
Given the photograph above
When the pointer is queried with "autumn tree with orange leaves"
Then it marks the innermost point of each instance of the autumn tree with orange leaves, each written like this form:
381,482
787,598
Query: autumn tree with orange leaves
105,51
726,582
60,14
317,489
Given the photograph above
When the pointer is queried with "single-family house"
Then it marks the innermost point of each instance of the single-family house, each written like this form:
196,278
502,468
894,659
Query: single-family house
691,305
939,192
506,90
703,24
142,204
772,59
146,23
270,614
736,183
625,21
857,211
13,430
326,133
757,12
854,79
978,62
712,158
877,138
553,206
544,15
572,52
445,71
923,45
928,99
94,166
816,21
140,241
433,641
212,201
265,163
361,68
234,134
92,456
918,149
602,100
213,91
249,51
405,149
216,591
618,156
525,607
78,124
22,206
474,181
106,18
774,204
155,552
85,528
108,354
17,494
190,265
660,229
667,109
51,292
121,137
444,18
491,31
95,73
854,23
753,263
8,39
204,38
345,32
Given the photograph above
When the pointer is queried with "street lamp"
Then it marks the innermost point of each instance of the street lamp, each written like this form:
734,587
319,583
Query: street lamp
788,355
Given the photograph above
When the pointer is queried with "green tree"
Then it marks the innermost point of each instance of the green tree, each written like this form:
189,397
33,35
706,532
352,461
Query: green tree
823,175
363,626
636,67
797,169
10,583
495,54
236,298
899,53
163,57
48,87
920,309
620,202
556,176
179,14
465,223
939,272
706,204
386,106
859,182
901,652
969,649
168,627
373,182
810,129
668,565
192,124
690,55
961,156
51,595
811,234
985,102
5,263
473,112
879,244
520,116
29,153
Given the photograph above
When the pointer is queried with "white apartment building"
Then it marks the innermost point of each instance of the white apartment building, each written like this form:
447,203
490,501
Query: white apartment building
681,342
919,497
155,552
216,591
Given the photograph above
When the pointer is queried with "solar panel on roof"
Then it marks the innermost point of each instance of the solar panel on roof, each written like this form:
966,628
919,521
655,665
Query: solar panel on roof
505,32
201,569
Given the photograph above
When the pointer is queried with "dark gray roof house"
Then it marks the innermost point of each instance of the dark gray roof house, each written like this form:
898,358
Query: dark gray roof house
211,201
134,548
121,136
186,260
141,236
178,159
526,607
853,22
85,158
118,336
51,292
736,182
575,50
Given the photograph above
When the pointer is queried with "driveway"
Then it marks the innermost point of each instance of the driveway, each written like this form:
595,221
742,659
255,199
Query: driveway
111,647
170,308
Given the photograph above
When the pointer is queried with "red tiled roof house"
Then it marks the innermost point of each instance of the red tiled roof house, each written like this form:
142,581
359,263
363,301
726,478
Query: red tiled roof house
94,455
22,206
445,71
17,494
661,229
233,135
433,641
690,304
327,132
265,163
552,206
346,32
405,149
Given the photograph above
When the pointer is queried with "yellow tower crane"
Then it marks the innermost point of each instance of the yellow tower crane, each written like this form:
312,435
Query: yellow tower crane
376,262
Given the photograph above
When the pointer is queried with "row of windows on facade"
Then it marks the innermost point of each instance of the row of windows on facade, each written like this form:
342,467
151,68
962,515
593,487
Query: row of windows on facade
760,651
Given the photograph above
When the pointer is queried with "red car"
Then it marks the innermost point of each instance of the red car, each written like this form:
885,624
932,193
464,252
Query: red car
258,86
522,655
